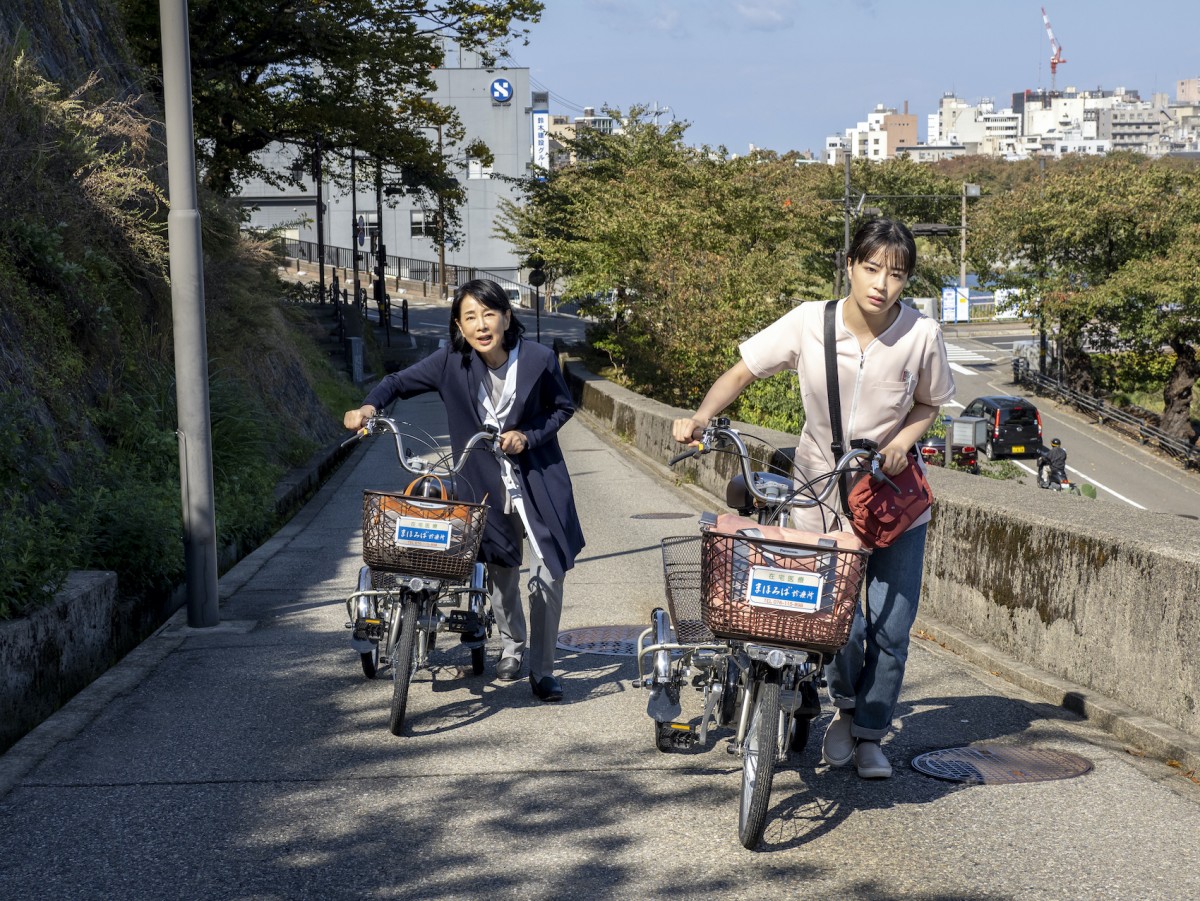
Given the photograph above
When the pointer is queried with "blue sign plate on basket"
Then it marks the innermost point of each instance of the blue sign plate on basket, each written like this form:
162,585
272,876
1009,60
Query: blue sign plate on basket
784,589
426,534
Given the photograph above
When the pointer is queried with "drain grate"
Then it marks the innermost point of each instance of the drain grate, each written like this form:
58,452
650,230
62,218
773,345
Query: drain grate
1001,764
663,516
611,641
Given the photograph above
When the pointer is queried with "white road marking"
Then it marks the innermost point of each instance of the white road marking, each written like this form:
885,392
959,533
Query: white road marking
1119,497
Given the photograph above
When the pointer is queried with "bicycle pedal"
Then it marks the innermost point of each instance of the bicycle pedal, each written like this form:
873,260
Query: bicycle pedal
368,629
465,621
681,735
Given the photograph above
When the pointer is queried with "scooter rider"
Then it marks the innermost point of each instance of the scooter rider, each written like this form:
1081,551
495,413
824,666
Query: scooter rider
1054,459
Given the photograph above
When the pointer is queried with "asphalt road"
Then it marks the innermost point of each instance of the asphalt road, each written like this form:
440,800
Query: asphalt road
1122,470
253,760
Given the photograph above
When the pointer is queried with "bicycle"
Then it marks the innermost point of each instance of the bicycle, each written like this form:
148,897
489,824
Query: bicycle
419,552
753,617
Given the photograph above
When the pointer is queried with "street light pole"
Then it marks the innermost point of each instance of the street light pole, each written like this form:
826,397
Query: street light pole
318,175
968,190
841,272
441,228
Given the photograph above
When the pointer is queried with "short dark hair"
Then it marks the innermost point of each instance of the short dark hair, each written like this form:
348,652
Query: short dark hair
492,296
889,235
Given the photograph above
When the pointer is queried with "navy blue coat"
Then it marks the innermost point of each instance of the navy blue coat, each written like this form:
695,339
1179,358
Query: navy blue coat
541,407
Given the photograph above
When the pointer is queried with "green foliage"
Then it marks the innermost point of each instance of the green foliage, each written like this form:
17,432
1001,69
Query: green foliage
1107,249
773,403
89,457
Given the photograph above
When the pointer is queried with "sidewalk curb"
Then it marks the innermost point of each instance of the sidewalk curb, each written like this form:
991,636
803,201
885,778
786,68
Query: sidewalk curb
1148,734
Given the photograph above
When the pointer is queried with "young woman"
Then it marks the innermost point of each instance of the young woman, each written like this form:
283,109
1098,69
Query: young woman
489,374
893,375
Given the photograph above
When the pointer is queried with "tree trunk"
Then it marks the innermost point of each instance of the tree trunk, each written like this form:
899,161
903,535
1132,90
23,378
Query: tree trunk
1177,393
1076,366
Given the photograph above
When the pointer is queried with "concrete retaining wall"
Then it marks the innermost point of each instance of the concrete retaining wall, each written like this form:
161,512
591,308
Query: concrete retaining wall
48,656
1100,594
55,651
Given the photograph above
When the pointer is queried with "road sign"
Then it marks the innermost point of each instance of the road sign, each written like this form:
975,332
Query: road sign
502,90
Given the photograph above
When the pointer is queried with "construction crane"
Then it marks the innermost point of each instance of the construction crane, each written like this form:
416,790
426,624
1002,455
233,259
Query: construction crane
1056,56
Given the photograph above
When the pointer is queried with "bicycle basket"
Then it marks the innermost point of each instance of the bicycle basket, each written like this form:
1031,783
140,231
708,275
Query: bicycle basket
781,592
421,536
681,570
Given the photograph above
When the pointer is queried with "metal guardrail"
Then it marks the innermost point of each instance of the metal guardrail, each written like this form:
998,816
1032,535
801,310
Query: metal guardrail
406,268
1188,454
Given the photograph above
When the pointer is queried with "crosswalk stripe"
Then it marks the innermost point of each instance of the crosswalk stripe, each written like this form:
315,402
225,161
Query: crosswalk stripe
962,355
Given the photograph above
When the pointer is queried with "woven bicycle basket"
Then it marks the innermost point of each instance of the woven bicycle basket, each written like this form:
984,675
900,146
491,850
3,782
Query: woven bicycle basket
725,569
681,571
421,536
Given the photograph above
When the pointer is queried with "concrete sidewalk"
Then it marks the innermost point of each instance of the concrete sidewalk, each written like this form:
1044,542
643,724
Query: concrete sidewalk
253,760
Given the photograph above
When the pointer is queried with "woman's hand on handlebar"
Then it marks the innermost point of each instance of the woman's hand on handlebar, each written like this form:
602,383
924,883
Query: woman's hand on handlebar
356,419
895,459
513,442
687,430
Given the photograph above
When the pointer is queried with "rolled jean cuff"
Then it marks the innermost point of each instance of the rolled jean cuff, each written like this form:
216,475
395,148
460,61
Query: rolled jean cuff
858,731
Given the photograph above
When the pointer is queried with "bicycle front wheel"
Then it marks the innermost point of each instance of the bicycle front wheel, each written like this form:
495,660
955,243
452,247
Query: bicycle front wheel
758,763
403,665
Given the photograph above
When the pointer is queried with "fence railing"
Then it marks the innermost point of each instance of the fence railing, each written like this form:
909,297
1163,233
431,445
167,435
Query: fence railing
1187,453
406,268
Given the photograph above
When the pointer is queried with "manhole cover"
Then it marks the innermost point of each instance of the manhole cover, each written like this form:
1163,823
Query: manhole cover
612,641
663,516
1001,764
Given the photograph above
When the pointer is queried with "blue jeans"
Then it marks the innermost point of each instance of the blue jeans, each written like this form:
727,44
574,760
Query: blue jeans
865,675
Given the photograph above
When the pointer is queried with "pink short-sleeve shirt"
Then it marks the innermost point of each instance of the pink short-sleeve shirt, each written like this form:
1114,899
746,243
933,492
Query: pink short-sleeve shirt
907,364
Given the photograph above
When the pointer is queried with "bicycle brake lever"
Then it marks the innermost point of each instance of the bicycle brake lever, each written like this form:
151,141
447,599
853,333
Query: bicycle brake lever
879,475
357,436
690,452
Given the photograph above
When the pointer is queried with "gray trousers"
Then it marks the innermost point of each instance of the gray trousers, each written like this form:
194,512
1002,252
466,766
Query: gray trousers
545,610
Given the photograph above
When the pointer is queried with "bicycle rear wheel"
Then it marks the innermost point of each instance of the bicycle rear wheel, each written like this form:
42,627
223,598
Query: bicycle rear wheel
403,665
758,762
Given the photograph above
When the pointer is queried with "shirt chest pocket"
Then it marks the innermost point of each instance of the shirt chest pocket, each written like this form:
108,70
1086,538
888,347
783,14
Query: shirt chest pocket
896,396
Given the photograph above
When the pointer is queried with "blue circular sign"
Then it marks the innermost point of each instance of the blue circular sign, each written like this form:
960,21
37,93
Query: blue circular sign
502,90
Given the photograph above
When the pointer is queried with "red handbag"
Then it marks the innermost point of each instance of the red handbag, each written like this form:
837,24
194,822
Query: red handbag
879,514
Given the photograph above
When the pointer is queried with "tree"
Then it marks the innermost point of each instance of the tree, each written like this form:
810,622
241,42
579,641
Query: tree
690,251
1060,238
1154,303
354,72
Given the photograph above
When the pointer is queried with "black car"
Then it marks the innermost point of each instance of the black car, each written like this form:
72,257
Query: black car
933,452
1014,425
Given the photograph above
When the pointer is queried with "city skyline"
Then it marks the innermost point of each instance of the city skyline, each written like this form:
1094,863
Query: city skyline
785,74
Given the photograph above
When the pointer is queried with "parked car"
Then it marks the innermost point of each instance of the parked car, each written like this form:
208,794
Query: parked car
933,452
1015,428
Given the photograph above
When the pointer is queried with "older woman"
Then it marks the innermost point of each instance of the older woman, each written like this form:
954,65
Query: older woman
489,374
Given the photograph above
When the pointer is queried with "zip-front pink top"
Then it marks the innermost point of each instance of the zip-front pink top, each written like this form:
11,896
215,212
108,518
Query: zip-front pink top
907,364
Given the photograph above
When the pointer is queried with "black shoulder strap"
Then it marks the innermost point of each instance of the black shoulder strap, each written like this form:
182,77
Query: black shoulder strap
835,394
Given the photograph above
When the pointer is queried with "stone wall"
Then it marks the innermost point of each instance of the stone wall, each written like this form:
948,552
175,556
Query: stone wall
1104,596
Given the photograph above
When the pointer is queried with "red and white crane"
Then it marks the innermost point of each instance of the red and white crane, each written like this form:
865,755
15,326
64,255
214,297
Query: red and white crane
1056,56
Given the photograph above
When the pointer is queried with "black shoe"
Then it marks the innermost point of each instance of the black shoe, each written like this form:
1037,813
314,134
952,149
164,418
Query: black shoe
508,669
546,688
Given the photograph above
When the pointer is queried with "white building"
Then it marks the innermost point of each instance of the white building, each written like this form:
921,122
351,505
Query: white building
495,106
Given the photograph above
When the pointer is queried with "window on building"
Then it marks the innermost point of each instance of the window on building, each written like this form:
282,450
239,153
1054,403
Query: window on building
421,224
476,169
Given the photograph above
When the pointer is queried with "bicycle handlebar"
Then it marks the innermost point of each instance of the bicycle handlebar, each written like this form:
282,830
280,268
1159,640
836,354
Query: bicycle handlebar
375,424
718,434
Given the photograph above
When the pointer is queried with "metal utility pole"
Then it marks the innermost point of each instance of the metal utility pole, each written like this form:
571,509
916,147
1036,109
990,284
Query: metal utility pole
968,190
841,272
354,220
187,312
441,227
317,175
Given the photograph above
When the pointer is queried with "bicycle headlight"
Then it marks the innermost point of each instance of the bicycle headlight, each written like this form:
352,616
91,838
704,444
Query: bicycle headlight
776,658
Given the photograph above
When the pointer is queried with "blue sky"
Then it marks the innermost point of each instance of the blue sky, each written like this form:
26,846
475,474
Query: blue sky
782,74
